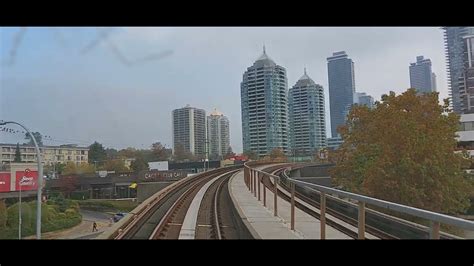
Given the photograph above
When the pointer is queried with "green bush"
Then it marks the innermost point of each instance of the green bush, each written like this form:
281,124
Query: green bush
3,215
108,205
52,219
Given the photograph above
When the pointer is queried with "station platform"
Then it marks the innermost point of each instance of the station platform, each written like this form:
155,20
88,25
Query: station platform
264,225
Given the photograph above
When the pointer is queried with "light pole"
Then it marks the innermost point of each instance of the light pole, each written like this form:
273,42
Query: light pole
40,177
19,216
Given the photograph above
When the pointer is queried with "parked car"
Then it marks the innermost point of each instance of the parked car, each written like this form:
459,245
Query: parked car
118,216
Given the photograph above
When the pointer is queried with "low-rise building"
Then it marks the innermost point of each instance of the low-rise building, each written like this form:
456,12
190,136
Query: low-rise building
49,154
465,135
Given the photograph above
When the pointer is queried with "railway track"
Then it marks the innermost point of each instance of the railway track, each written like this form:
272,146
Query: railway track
377,224
170,217
160,219
217,217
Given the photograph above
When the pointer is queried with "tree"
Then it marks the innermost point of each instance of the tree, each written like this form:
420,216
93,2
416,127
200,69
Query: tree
160,153
84,168
3,214
38,137
181,154
251,155
17,154
68,184
277,153
97,153
403,151
139,164
127,153
117,165
72,169
111,153
69,169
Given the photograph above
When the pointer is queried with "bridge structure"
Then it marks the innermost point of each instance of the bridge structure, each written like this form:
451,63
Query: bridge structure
264,201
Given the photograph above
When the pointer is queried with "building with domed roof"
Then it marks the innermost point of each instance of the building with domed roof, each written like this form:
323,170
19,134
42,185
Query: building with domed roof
306,117
264,106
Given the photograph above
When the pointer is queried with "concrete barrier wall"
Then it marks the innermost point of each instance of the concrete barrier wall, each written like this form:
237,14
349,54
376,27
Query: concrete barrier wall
146,190
318,174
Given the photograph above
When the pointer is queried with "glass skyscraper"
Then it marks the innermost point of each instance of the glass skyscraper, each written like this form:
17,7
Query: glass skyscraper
264,107
341,88
455,48
307,119
421,76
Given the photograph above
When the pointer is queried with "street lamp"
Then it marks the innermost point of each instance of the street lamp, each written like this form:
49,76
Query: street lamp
40,177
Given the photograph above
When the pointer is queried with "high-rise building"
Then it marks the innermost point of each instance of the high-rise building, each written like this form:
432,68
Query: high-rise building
421,76
363,98
455,48
264,106
218,135
466,81
341,88
306,117
433,81
189,130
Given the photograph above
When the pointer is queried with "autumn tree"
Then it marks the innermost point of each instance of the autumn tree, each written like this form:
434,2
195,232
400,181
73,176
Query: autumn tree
160,152
116,165
68,184
277,154
181,154
251,155
69,169
403,151
139,164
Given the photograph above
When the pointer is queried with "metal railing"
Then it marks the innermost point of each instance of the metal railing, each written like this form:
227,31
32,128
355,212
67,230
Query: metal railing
253,177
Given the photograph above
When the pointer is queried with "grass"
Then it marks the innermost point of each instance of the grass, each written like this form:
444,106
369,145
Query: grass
108,205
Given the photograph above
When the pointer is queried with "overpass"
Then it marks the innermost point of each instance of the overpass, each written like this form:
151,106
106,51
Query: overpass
263,201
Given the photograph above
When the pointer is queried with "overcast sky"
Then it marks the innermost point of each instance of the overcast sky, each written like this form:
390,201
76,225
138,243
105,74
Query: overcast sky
56,85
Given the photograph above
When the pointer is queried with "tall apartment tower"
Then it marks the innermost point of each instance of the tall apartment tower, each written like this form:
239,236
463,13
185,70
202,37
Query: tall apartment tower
341,88
189,129
421,76
264,107
307,118
466,81
218,135
455,50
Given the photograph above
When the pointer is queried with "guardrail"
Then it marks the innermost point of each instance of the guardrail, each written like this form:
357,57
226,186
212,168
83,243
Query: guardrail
253,177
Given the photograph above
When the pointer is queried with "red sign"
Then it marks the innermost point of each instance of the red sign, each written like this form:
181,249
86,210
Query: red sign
4,182
27,179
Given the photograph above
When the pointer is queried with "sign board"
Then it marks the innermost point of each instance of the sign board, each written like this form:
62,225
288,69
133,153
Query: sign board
28,180
156,176
102,173
160,166
5,182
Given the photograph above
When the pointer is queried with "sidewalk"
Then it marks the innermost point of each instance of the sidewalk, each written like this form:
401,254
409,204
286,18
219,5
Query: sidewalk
268,226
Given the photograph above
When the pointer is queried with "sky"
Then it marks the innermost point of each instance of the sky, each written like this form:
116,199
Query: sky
120,90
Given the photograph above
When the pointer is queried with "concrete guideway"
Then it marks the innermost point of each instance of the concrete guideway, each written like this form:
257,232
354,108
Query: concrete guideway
188,229
265,225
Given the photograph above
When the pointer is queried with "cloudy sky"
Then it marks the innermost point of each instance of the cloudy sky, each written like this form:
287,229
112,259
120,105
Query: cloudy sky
120,90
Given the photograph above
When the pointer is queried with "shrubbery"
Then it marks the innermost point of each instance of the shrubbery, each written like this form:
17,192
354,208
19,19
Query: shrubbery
57,213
